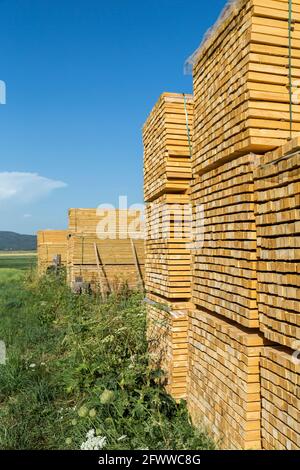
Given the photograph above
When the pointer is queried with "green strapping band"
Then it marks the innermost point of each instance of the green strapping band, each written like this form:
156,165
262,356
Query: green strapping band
187,124
290,68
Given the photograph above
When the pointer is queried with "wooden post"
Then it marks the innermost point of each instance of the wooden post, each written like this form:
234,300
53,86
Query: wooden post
101,273
137,264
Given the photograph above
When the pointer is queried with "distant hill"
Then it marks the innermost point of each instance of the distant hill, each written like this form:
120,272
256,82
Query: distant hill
11,241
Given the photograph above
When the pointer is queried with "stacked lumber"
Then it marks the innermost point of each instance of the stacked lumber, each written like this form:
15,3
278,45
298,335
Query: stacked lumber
241,82
119,223
50,244
225,262
167,337
278,230
168,259
245,263
105,249
224,381
167,163
111,252
280,385
167,176
111,279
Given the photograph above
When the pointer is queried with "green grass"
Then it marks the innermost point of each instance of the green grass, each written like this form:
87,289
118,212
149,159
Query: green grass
76,364
22,261
11,275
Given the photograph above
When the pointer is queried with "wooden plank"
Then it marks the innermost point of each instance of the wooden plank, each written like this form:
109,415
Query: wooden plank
137,264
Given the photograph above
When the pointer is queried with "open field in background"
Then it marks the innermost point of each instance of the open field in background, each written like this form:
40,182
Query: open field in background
21,260
17,253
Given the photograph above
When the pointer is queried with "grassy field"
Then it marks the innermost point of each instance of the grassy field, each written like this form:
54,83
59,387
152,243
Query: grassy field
22,260
17,253
77,374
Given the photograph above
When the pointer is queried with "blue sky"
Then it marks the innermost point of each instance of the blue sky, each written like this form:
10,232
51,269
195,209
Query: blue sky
81,77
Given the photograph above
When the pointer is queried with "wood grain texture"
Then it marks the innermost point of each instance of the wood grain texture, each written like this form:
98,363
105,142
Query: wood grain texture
280,381
241,94
51,243
277,184
224,381
167,162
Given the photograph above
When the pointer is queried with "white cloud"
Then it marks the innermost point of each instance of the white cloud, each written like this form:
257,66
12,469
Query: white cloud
27,216
26,187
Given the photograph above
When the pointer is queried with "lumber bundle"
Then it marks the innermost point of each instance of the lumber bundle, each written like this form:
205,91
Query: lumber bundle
112,223
280,385
111,252
50,244
241,82
167,338
278,230
224,381
224,269
167,175
168,255
105,260
166,134
111,279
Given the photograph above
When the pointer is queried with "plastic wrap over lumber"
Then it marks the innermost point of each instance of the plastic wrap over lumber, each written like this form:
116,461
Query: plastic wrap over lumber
224,380
280,385
167,136
278,230
241,83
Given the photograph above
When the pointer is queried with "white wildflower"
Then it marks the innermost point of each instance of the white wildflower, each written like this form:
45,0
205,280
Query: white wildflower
32,366
93,442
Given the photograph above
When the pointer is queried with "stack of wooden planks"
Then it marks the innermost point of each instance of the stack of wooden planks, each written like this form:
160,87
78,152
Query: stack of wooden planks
168,260
167,176
224,340
225,259
280,385
242,83
106,264
245,279
277,184
107,223
224,381
51,244
278,229
167,336
167,163
105,248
